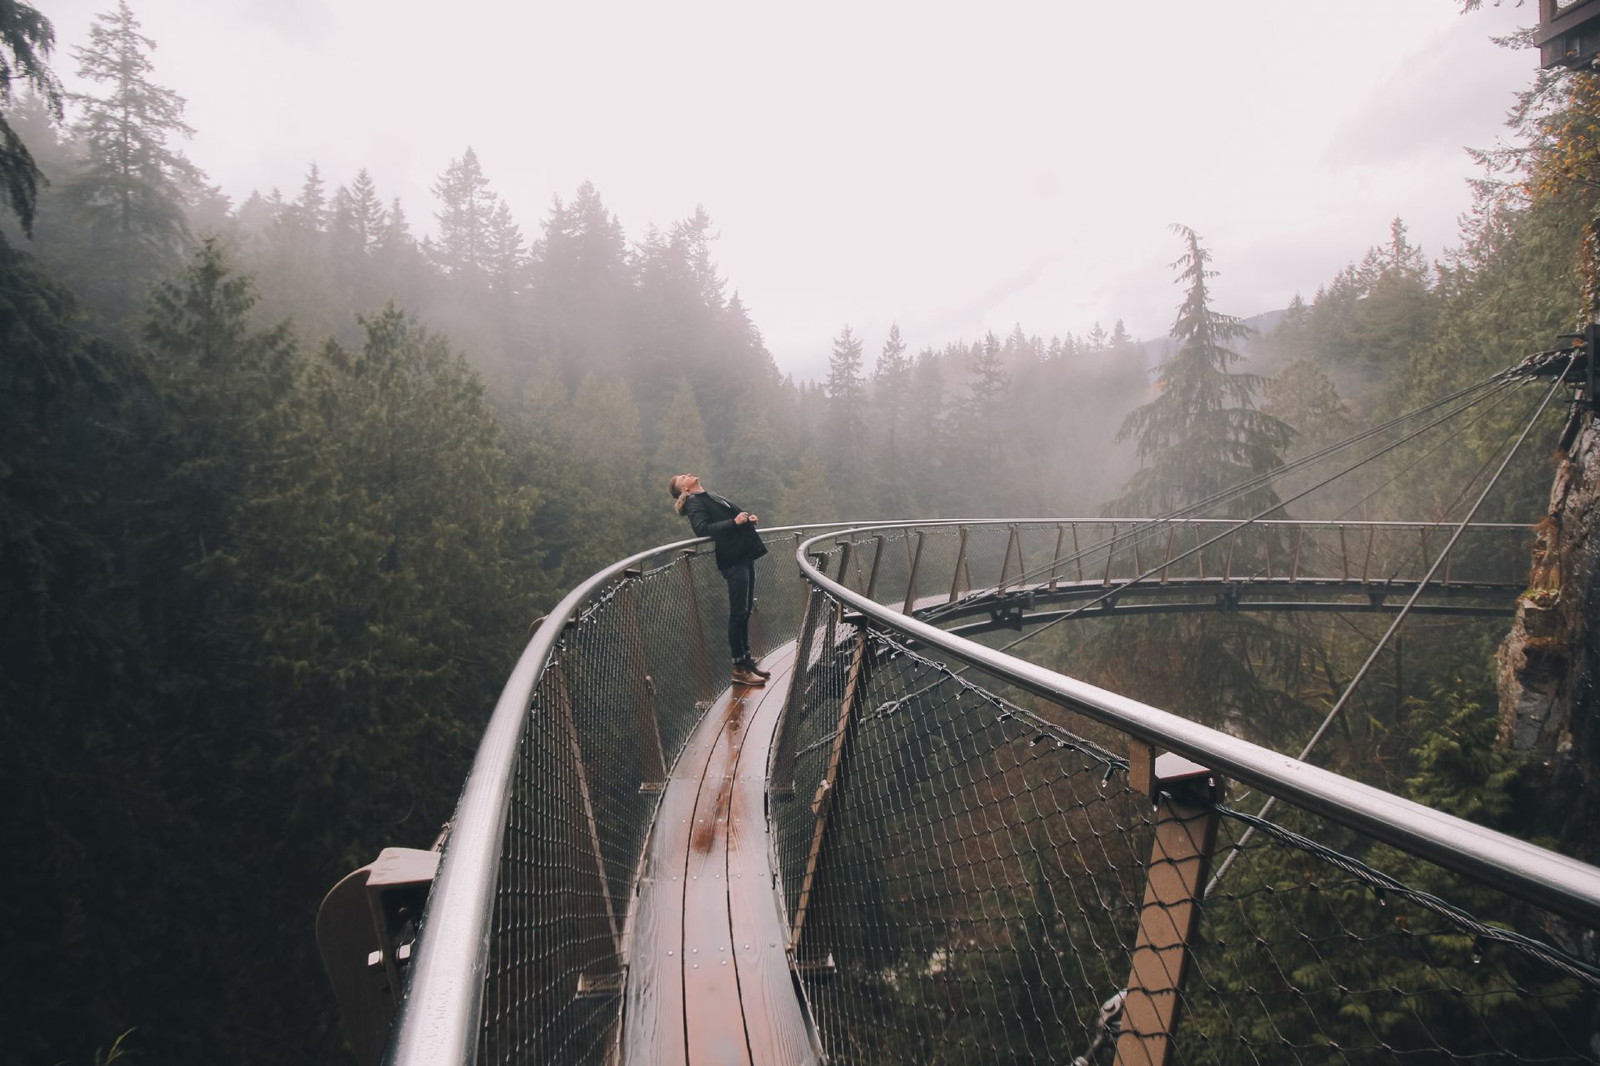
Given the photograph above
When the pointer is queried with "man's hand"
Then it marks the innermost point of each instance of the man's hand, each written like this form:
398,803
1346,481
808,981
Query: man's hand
745,516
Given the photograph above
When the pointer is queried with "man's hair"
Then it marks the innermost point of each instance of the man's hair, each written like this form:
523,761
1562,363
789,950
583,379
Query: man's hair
672,486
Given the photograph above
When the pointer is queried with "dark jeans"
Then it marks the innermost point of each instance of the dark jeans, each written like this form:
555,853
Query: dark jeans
741,579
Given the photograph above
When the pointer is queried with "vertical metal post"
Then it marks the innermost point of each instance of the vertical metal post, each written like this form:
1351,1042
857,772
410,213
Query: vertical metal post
587,830
1199,553
1166,563
1111,553
1077,552
961,565
843,576
872,576
1366,562
1294,563
911,576
828,789
652,761
1344,553
1055,559
699,651
1012,542
1185,795
797,687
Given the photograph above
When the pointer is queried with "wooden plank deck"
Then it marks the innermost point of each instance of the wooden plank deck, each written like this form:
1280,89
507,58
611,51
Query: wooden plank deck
709,981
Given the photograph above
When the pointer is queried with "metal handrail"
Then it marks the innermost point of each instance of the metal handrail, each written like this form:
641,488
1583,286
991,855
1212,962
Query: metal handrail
438,1019
1547,879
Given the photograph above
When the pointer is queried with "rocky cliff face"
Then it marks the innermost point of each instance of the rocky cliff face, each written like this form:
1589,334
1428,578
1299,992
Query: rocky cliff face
1548,662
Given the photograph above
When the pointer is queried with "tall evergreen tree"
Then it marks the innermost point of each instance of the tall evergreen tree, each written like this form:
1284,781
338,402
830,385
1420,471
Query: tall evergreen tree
26,40
581,290
134,181
465,246
847,423
1202,432
891,387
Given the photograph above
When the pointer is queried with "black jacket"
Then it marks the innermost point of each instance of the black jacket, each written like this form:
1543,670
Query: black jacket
712,516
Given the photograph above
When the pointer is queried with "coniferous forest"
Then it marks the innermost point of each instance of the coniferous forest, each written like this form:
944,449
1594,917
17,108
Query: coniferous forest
285,481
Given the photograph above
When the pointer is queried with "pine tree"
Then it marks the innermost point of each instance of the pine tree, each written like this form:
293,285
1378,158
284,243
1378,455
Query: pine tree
988,383
466,243
847,422
581,291
1202,432
26,41
133,184
358,218
891,386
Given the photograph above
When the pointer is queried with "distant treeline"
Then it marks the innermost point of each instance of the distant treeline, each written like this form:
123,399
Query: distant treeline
283,485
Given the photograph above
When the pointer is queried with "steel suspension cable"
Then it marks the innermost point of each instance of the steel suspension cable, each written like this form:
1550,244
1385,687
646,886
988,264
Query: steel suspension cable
1418,461
1142,531
1399,618
1501,380
1241,524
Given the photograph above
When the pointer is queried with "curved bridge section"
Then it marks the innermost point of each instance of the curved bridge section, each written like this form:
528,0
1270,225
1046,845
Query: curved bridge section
910,847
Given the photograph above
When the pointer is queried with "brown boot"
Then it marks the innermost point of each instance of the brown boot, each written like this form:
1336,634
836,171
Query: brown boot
741,676
748,665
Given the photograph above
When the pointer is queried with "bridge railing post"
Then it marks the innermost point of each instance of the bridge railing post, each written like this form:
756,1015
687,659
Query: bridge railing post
795,702
833,780
1185,796
956,584
1055,559
877,559
1013,545
911,574
652,760
593,883
700,651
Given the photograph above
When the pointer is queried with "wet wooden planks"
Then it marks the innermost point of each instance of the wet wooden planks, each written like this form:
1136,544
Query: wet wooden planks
709,981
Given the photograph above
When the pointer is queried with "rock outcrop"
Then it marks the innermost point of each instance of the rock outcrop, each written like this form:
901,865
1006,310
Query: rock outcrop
1547,664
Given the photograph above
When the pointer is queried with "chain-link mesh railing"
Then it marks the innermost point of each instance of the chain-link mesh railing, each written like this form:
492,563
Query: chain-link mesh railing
970,857
984,861
529,916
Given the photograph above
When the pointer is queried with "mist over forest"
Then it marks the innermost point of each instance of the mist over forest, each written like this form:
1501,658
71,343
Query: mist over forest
285,481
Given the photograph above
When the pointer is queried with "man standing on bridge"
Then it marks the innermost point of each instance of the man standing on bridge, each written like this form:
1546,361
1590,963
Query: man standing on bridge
738,545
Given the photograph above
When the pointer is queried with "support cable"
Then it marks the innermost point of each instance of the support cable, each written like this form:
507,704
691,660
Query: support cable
1500,380
1258,516
1399,618
1141,532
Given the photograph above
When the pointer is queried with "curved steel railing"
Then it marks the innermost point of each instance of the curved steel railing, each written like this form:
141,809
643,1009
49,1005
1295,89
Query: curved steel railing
1555,882
441,1019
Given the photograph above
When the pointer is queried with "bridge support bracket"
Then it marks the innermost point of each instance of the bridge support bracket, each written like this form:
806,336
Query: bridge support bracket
1185,795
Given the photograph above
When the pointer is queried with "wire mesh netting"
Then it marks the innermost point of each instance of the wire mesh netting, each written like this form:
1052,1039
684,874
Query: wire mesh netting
960,873
969,879
970,874
632,675
1325,947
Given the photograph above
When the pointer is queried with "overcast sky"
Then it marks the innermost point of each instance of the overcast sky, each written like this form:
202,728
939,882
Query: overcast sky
952,167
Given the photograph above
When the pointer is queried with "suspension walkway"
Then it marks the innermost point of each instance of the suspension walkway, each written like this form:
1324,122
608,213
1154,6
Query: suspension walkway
912,846
709,967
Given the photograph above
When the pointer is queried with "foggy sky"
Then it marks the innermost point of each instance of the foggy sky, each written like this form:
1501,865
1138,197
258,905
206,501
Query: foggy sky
952,167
